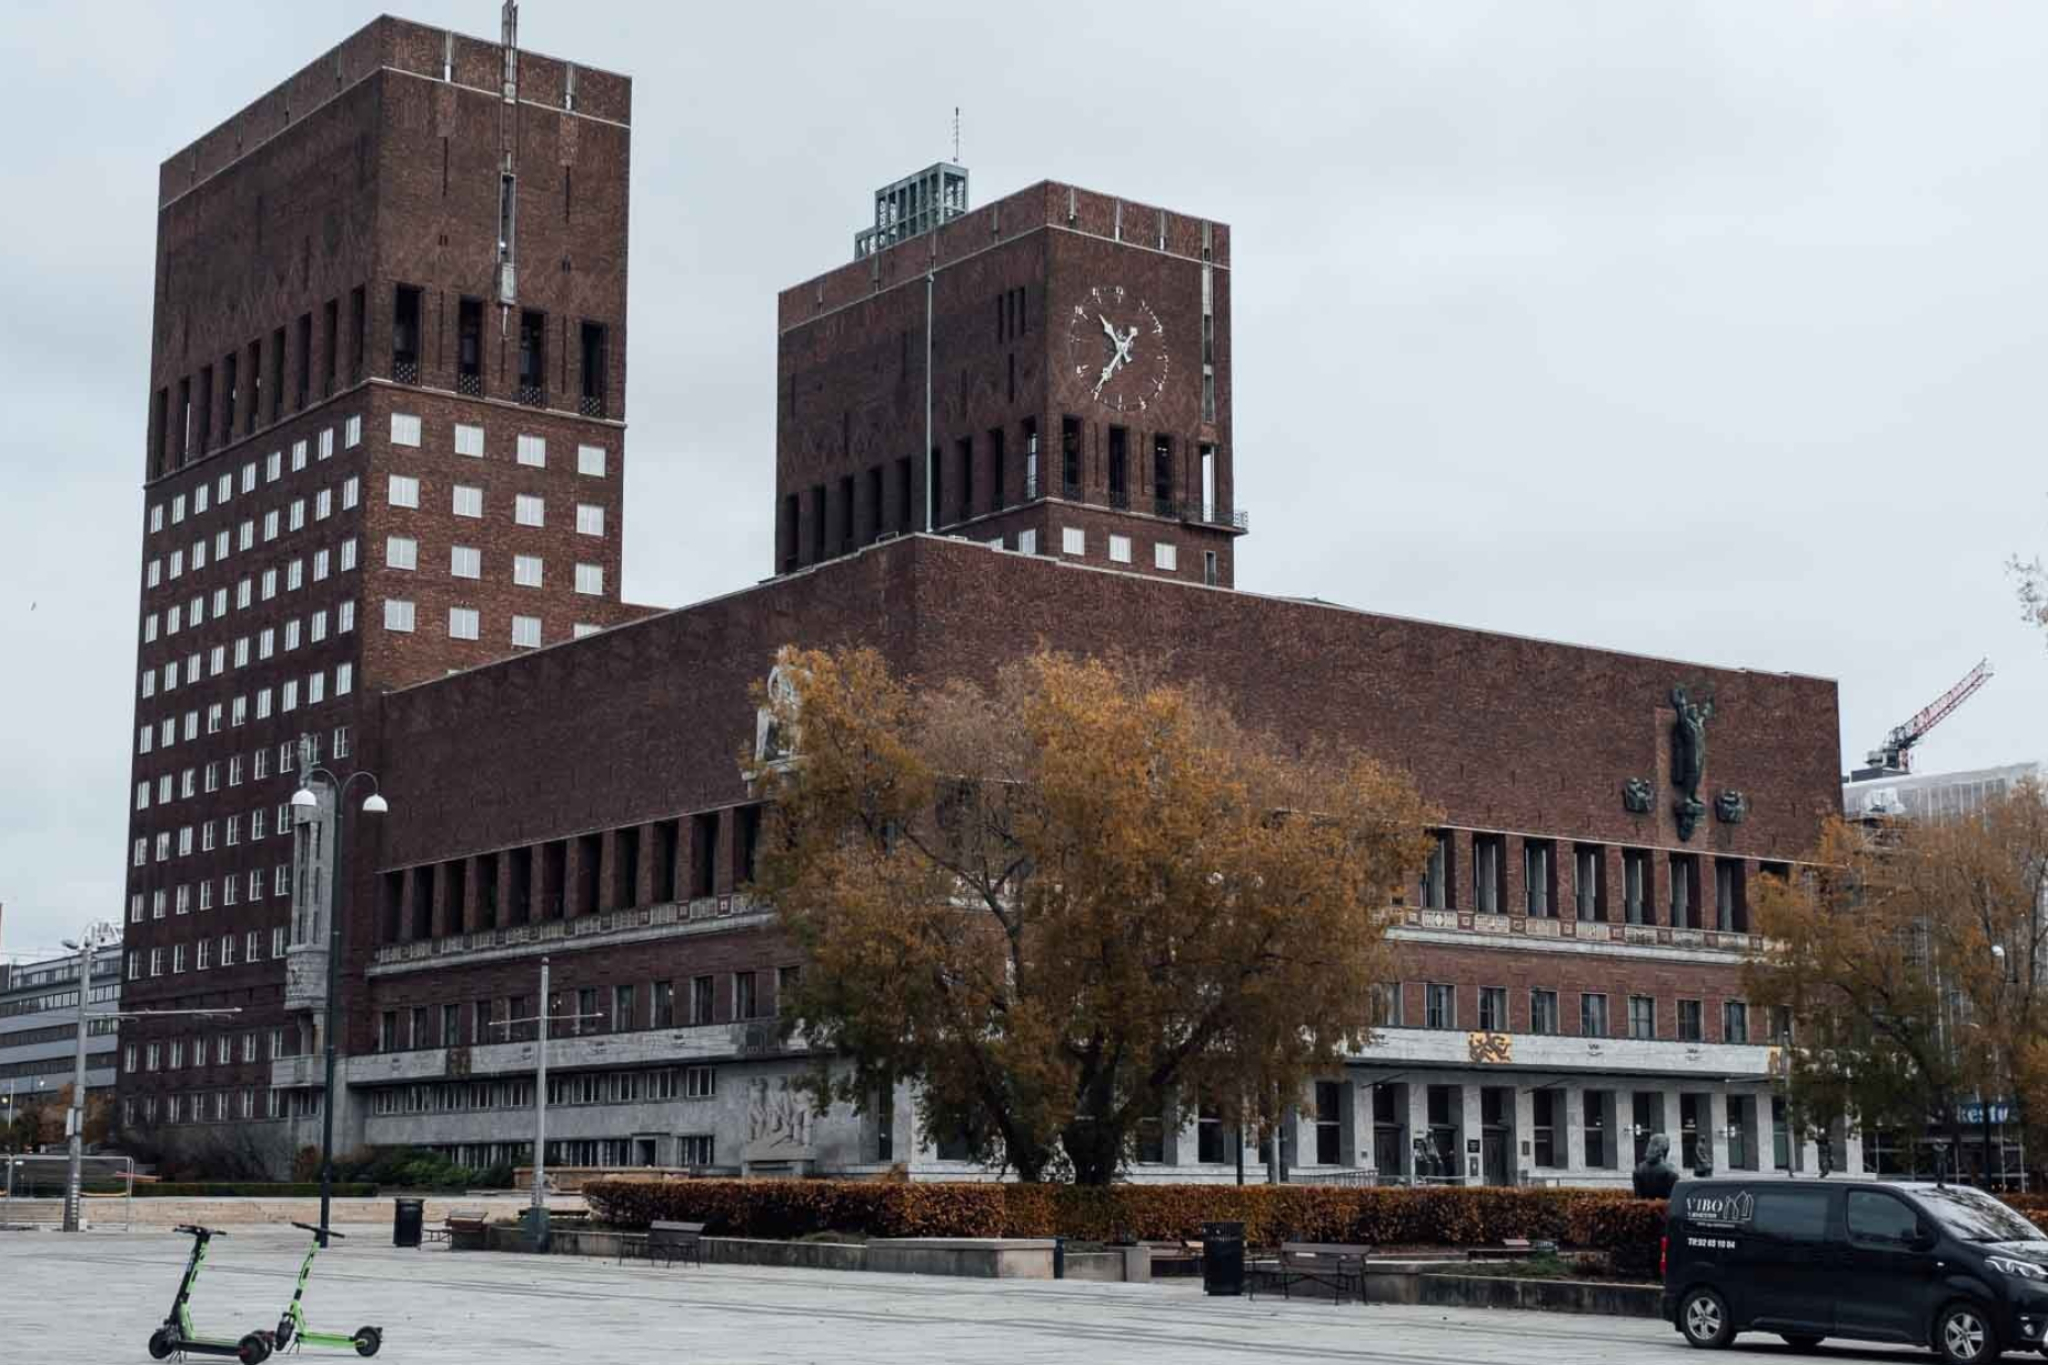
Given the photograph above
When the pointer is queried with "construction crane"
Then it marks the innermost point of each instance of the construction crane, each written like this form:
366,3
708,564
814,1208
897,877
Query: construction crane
1896,755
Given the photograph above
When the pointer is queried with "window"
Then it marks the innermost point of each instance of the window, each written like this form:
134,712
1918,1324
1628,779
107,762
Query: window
1586,868
401,552
1734,1021
1487,873
526,570
465,561
351,490
270,530
1685,890
404,491
1592,1016
529,510
344,679
1730,913
1493,1009
1073,540
699,1082
1439,1006
273,468
1635,883
533,451
1689,1024
1027,541
469,502
405,426
744,1001
345,618
462,623
589,519
1537,865
1120,549
1542,1011
583,628
1876,1217
526,632
398,614
1642,1016
297,519
590,461
1165,556
590,579
701,1000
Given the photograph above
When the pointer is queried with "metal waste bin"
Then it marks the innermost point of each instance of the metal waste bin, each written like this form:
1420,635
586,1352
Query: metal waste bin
408,1220
1223,1258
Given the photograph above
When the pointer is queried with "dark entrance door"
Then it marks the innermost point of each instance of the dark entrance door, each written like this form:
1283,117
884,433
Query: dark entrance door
1494,1148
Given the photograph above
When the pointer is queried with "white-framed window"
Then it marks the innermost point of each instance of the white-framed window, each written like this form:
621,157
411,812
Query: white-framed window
398,614
298,455
206,893
204,958
404,491
142,795
269,584
262,705
345,618
245,593
192,724
278,941
288,695
316,626
261,768
177,568
462,623
533,450
266,642
166,785
323,504
401,552
469,502
141,851
212,779
526,632
213,718
405,429
348,554
590,579
529,510
224,488
590,461
583,628
469,440
148,688
297,520
291,634
156,517
1120,549
327,443
321,560
177,959
344,681
341,741
156,968
465,561
184,841
145,737
149,629
273,467
249,477
1165,556
177,509
295,575
156,572
351,490
1073,540
527,570
181,901
352,432
199,499
589,519
223,543
220,601
270,525
252,944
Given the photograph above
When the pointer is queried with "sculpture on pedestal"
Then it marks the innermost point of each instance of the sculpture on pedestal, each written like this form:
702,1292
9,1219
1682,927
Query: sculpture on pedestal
1655,1175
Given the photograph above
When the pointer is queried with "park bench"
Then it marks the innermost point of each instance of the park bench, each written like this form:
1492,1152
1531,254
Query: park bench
1183,1257
457,1218
1510,1249
1337,1267
665,1242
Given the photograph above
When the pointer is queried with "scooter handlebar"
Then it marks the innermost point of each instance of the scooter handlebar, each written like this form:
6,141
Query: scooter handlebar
317,1231
197,1231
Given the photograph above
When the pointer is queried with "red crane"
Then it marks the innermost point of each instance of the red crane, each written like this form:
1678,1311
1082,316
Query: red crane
1896,756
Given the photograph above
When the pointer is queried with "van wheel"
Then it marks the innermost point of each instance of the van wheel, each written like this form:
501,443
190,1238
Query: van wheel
1703,1317
1964,1336
1799,1343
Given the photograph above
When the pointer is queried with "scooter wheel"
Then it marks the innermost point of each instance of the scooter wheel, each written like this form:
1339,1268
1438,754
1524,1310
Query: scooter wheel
160,1344
252,1350
368,1339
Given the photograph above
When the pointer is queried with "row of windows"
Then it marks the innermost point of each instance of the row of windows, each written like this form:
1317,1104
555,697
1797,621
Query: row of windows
256,763
221,490
269,641
584,1011
466,561
1440,1011
221,1106
528,449
52,1000
1591,896
281,520
288,577
206,953
181,899
582,1087
224,1049
401,615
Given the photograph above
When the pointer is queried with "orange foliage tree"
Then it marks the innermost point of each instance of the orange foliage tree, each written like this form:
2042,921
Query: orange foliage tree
1071,902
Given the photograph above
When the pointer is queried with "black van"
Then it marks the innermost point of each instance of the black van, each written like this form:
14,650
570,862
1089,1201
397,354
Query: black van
1944,1266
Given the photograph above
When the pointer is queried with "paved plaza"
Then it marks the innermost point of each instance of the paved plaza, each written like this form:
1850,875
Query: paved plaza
93,1300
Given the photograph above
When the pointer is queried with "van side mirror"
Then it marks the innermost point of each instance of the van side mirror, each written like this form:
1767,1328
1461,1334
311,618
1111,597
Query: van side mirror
1925,1237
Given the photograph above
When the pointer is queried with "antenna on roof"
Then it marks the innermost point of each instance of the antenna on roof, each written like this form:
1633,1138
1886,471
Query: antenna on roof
956,135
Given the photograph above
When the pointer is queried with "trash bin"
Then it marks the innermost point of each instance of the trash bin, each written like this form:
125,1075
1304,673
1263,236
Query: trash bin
1223,1258
1059,1258
408,1220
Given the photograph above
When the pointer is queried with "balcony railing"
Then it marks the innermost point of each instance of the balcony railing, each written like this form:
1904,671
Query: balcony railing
405,370
470,385
1194,513
591,405
533,395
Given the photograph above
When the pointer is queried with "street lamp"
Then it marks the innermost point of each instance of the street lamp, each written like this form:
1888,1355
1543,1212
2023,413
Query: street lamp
373,804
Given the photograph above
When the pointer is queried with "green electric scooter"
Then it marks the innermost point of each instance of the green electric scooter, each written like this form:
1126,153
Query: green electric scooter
177,1335
291,1325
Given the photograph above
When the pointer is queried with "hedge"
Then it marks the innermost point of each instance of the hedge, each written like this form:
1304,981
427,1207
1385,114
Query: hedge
1626,1228
243,1189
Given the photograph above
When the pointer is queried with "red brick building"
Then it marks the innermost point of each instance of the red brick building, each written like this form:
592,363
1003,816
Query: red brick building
1044,381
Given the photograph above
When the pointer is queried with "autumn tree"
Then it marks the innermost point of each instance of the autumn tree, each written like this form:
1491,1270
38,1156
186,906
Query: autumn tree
1078,899
55,1114
1912,961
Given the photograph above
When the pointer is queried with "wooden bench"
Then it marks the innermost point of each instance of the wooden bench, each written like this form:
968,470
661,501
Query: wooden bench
1338,1267
665,1242
446,1232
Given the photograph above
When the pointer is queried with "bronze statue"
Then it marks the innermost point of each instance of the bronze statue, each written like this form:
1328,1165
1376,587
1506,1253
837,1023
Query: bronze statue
1655,1175
1691,741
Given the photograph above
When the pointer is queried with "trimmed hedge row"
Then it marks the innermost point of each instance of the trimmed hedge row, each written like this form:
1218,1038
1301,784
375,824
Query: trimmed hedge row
1627,1229
244,1189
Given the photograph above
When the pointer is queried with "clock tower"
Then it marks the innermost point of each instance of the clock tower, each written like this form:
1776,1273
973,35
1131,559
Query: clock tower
1048,374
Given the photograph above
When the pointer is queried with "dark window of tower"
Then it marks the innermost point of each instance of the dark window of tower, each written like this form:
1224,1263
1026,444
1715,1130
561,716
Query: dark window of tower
936,509
405,335
1070,457
704,854
845,512
1635,886
1208,458
159,431
1013,377
966,476
748,854
1030,458
204,412
230,380
904,488
358,332
533,358
1002,316
596,359
1119,471
277,367
469,347
1489,876
181,444
999,488
817,523
330,352
1162,475
788,538
1685,891
1211,574
255,403
874,502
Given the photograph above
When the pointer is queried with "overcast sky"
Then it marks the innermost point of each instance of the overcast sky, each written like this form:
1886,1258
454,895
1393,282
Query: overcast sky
1715,331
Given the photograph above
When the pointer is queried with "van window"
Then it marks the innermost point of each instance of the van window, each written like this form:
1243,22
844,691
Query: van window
1880,1219
1791,1215
1977,1217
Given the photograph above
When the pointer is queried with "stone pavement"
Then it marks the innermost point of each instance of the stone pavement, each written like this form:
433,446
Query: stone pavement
94,1299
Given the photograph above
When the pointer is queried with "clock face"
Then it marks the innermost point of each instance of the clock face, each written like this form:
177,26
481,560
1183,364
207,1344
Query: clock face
1116,347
